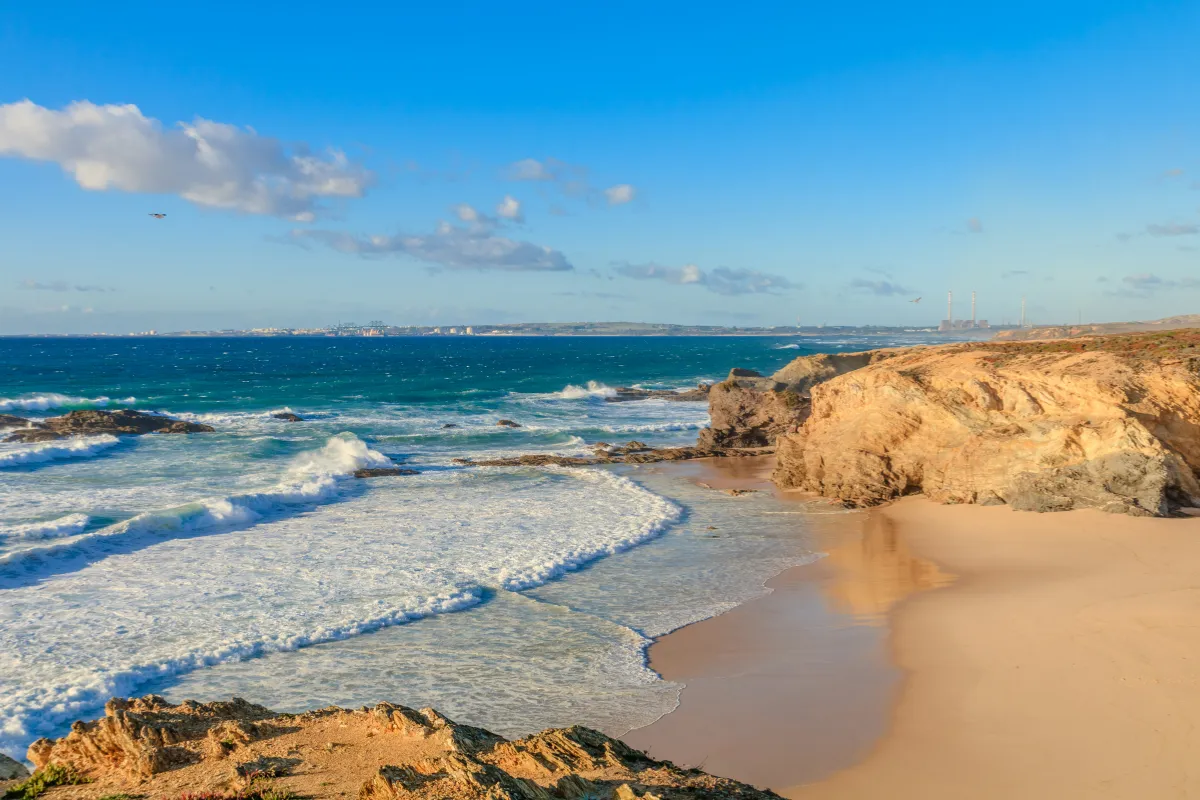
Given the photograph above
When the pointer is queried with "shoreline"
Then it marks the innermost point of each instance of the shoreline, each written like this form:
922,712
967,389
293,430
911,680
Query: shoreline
791,686
1056,659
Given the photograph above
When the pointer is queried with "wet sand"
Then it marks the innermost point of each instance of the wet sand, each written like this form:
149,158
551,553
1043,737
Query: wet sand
792,686
1059,657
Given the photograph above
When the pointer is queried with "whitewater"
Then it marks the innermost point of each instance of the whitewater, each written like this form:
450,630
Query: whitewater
251,561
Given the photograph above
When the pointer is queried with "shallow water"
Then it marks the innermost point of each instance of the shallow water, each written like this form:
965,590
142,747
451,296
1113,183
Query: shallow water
248,561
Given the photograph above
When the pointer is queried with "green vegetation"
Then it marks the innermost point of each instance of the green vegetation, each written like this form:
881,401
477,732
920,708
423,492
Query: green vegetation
46,778
1180,343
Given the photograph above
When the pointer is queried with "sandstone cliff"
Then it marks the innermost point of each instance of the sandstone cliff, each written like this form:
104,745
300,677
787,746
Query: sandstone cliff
241,751
1111,423
749,410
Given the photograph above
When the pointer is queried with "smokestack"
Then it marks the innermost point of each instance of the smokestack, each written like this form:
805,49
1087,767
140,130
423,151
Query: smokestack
972,309
1022,312
950,308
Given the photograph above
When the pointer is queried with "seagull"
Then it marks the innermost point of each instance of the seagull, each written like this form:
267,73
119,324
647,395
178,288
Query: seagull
915,301
158,216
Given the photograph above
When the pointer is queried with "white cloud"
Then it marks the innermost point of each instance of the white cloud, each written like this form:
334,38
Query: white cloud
450,246
466,213
620,194
722,280
570,179
1147,283
510,208
207,163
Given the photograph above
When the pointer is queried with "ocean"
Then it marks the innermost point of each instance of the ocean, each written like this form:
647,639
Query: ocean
250,562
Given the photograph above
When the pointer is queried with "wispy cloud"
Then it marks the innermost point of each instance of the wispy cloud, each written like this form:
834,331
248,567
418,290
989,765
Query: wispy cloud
974,225
208,163
1014,273
61,286
570,179
471,247
722,280
1145,284
880,288
596,295
1173,229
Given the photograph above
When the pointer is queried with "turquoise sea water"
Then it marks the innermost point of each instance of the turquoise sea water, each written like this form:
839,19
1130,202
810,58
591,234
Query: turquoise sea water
248,561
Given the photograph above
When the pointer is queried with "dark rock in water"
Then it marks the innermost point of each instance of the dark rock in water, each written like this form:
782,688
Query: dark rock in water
9,421
288,416
508,423
379,472
449,426
626,394
739,372
633,453
92,423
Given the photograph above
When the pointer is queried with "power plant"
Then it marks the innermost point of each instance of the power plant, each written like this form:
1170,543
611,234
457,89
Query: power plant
950,324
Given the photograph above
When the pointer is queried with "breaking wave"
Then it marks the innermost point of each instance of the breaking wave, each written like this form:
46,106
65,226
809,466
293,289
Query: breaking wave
45,402
50,529
312,479
82,447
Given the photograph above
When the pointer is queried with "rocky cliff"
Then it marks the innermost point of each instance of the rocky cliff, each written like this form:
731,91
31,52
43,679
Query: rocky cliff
146,747
1111,423
750,410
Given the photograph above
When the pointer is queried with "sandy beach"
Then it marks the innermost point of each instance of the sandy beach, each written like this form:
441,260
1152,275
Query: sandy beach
1041,656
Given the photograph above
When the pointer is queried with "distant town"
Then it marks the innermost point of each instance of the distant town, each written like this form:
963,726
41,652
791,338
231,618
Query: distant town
379,328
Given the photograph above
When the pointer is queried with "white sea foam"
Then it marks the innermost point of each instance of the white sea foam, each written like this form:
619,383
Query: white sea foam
49,529
588,391
428,544
18,455
313,478
788,347
45,402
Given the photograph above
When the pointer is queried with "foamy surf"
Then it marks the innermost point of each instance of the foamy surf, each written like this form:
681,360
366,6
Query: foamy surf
312,479
45,402
49,529
429,545
76,447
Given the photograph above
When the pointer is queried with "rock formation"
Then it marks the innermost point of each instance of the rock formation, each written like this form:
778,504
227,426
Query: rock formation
626,393
287,416
94,423
749,410
379,472
11,770
508,423
630,453
389,752
1111,423
9,421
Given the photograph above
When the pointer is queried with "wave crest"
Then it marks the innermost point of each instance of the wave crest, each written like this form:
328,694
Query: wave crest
81,447
45,402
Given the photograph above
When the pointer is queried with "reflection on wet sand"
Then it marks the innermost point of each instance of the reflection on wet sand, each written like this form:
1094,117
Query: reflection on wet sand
871,570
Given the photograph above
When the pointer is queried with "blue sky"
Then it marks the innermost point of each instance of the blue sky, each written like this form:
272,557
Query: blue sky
701,163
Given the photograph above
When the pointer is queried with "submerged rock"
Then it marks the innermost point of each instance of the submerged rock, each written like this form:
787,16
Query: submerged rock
632,453
377,472
9,421
385,752
288,416
627,394
93,423
508,423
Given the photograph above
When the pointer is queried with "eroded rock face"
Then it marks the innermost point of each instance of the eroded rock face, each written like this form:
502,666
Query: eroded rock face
1112,424
92,422
11,770
387,752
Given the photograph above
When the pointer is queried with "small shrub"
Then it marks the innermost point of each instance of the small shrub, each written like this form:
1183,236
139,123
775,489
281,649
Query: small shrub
46,778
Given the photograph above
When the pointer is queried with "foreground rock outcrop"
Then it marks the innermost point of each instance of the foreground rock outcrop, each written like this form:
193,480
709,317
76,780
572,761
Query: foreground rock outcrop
1111,423
236,749
124,422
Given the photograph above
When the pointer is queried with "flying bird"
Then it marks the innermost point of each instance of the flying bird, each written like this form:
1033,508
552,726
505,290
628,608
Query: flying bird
915,301
158,216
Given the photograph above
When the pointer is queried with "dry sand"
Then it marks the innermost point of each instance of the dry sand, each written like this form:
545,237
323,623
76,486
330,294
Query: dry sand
1058,658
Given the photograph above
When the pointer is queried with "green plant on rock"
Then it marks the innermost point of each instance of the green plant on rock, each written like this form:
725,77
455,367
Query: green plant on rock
45,778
